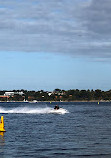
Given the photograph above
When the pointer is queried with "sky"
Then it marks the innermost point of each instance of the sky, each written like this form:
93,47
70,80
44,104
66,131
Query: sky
49,44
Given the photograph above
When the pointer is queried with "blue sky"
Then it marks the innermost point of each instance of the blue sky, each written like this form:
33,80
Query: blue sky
48,44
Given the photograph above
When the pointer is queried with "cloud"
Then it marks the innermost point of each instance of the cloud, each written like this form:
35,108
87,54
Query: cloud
97,17
74,27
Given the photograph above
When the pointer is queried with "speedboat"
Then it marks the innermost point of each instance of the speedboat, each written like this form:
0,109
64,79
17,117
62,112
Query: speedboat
59,111
34,101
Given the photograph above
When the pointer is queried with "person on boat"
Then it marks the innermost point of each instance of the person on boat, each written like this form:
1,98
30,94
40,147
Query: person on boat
56,107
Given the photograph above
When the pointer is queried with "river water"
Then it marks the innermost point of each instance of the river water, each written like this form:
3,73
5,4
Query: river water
33,132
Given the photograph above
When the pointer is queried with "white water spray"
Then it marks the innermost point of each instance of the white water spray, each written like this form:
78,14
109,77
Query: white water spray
32,110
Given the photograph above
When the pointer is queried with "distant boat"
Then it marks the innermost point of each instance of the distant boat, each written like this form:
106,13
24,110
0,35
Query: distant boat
26,101
34,101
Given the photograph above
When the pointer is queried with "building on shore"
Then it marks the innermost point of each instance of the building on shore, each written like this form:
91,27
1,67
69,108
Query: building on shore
12,93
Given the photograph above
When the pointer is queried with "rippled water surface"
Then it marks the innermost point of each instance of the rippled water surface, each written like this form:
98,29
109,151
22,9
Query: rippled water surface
32,131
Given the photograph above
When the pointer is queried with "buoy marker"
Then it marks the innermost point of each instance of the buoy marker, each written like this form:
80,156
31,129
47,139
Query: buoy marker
2,129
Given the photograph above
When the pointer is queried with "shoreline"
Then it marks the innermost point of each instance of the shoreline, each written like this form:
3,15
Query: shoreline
91,101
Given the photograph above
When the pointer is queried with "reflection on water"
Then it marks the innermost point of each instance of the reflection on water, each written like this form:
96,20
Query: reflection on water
2,134
2,144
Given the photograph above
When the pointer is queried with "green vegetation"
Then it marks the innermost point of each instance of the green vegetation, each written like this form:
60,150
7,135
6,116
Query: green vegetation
57,95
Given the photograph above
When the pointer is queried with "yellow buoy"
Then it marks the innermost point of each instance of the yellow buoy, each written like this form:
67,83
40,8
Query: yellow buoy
2,129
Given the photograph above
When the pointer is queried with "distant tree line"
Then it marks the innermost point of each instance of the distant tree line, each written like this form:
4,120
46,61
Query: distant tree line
59,95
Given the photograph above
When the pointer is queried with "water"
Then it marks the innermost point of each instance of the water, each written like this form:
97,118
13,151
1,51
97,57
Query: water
34,132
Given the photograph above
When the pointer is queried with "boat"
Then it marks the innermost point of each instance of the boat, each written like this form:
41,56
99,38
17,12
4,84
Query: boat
59,111
34,101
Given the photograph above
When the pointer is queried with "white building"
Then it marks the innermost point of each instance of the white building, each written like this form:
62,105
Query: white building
49,93
9,94
12,93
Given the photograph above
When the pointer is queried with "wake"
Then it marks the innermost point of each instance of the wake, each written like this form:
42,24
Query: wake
32,110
